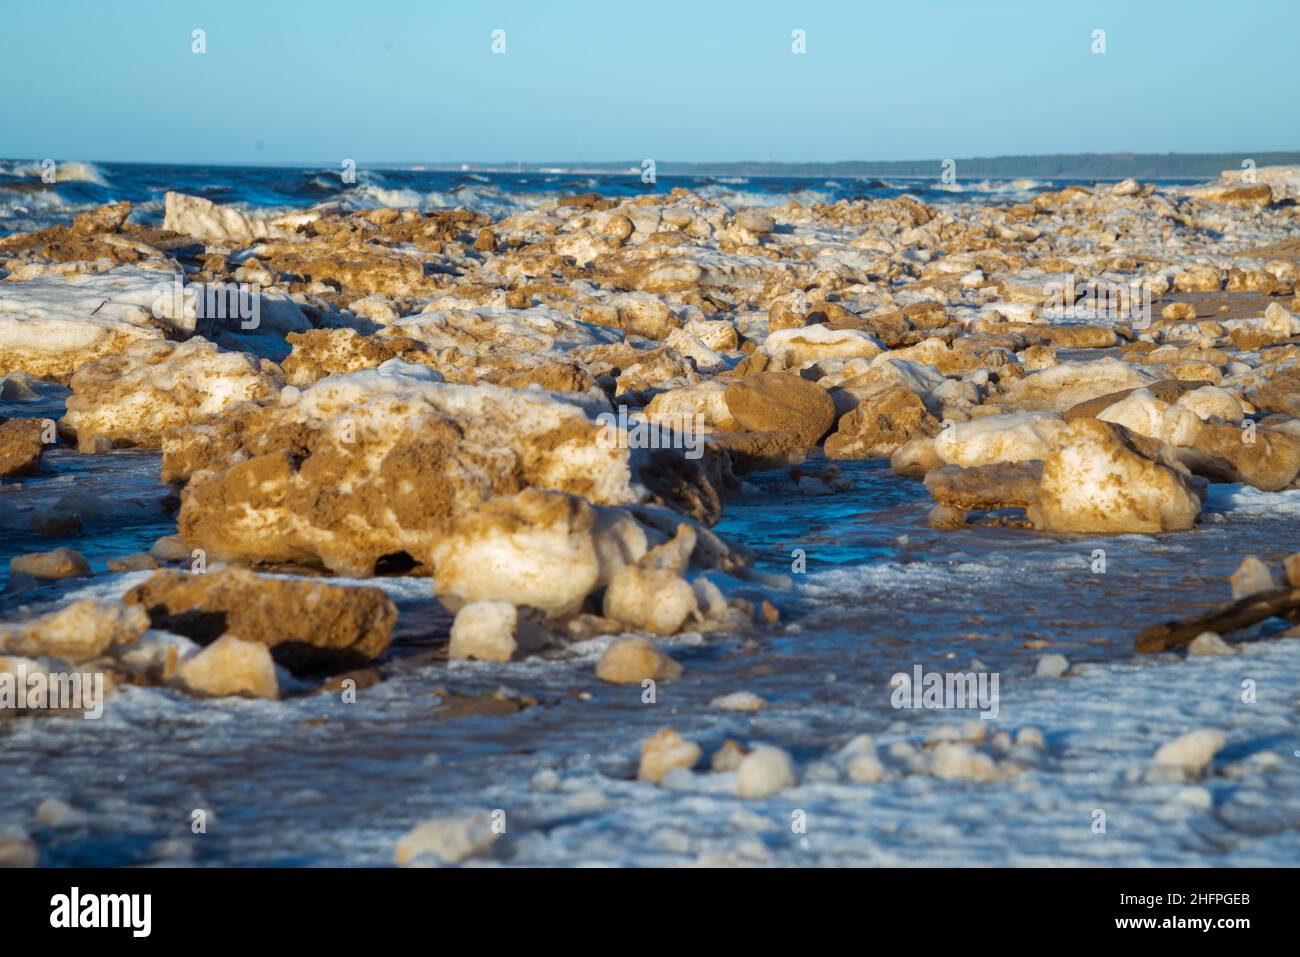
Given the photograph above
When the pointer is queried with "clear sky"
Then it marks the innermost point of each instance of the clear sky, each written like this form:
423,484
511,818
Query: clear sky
416,80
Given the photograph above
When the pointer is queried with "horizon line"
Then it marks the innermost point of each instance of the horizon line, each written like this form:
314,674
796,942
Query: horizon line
613,165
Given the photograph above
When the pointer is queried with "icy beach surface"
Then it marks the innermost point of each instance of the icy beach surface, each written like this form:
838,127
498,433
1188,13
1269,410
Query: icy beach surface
913,468
313,780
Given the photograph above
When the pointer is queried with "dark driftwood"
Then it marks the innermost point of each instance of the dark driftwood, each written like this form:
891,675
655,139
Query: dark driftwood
1224,618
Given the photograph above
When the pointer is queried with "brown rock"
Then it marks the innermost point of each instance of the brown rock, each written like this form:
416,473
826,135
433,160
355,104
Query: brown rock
759,451
659,277
693,487
1166,390
916,457
16,386
664,751
553,377
728,757
946,516
322,352
533,548
170,548
231,666
782,315
377,478
1199,278
926,315
56,563
779,400
880,424
1079,337
18,850
585,201
53,523
830,314
131,397
132,563
755,222
103,219
357,270
78,632
652,594
1101,478
890,327
484,631
21,445
1251,577
633,660
1280,394
1002,485
1270,461
1291,566
1254,280
1252,194
306,624
1252,340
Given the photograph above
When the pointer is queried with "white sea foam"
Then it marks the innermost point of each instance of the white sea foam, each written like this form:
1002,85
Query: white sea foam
739,198
993,186
1238,499
398,198
72,171
485,199
17,203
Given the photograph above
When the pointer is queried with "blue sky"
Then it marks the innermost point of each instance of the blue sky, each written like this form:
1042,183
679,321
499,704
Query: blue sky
415,80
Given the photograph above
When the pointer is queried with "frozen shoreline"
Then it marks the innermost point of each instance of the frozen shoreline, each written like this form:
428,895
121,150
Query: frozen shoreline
334,786
334,783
